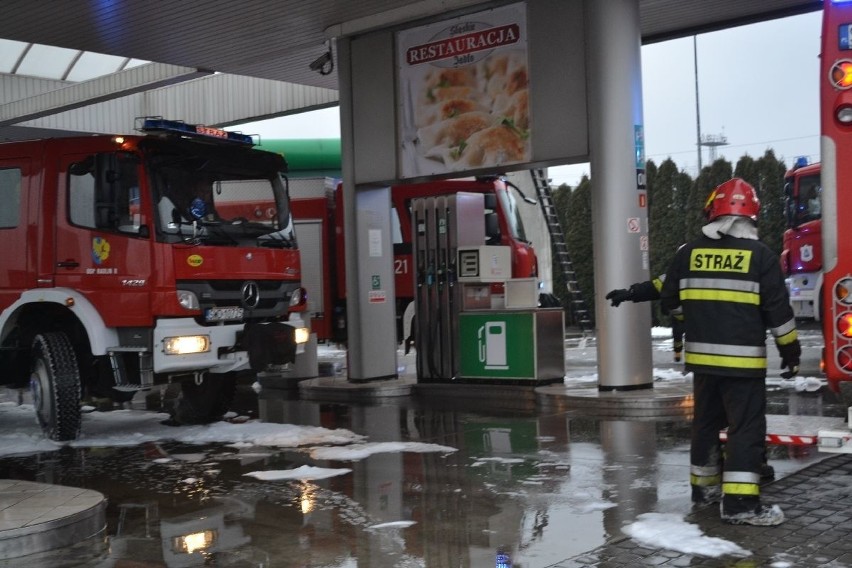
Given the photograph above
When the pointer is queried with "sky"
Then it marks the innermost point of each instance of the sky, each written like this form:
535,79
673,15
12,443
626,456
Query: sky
757,86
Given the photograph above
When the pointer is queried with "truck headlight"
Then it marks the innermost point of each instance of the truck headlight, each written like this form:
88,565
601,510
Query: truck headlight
302,335
186,344
195,542
188,300
299,300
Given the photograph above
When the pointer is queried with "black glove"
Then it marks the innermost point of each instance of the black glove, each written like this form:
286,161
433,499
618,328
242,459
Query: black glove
620,295
790,354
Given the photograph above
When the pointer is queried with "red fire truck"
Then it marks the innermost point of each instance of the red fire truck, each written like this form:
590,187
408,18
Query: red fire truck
802,254
503,227
120,271
836,154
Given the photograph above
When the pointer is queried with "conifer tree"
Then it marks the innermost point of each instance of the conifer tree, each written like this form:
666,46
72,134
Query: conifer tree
578,239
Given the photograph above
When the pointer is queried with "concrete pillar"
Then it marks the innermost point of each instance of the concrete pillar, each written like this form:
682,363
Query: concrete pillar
619,200
370,291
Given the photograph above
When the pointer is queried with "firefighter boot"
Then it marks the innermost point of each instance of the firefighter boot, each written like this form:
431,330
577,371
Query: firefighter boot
706,494
737,510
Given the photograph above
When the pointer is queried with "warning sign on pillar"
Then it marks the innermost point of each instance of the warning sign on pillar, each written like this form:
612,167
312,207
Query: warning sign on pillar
633,225
377,297
643,242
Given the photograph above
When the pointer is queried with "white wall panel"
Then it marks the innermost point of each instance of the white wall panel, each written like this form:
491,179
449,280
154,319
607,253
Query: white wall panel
217,100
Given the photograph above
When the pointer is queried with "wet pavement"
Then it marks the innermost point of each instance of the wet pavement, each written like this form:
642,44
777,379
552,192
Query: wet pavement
542,485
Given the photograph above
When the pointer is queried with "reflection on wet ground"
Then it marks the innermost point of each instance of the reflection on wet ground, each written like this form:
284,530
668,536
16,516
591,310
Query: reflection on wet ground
536,488
526,487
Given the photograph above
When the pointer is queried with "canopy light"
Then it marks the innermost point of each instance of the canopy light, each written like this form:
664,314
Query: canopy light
197,131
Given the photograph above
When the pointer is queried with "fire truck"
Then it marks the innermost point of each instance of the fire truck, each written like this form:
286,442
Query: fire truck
121,271
835,89
319,219
802,254
317,202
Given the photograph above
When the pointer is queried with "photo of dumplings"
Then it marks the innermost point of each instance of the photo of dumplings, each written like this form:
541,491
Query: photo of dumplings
466,111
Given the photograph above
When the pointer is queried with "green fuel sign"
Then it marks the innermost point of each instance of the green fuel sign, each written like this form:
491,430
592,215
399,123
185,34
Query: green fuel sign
497,345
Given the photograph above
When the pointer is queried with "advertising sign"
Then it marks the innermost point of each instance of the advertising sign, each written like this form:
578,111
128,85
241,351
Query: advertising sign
463,92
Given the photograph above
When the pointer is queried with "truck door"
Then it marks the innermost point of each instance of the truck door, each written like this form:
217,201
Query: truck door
103,235
15,276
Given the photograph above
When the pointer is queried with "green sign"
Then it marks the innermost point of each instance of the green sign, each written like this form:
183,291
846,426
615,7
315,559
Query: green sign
497,345
376,282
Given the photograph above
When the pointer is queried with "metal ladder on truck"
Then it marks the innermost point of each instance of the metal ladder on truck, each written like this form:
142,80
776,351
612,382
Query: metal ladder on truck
578,311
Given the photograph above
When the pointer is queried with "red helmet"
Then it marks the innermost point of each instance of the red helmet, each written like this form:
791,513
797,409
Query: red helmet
734,197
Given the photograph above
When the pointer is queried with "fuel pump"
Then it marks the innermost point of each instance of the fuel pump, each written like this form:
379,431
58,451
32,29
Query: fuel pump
442,224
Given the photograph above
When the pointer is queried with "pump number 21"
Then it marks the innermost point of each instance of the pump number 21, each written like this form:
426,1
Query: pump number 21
400,266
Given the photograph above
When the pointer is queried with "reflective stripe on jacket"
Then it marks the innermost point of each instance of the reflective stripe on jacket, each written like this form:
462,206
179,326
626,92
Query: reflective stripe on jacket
731,290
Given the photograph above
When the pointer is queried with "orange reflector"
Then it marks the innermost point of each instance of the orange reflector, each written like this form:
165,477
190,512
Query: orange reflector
842,289
844,324
844,359
841,74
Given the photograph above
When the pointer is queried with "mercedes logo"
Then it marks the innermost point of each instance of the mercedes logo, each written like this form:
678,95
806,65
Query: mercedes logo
251,294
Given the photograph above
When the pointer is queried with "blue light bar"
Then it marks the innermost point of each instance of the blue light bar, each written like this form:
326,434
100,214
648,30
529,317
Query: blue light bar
178,128
801,161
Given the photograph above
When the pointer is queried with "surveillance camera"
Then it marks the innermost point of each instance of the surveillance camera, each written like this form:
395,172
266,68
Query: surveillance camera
320,62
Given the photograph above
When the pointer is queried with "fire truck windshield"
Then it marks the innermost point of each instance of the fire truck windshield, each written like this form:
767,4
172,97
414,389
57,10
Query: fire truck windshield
212,194
805,203
513,216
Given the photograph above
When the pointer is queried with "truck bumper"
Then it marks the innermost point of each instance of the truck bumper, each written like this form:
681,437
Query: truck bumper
802,289
220,355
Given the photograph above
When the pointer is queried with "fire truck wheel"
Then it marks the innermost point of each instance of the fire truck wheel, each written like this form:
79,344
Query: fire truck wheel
204,403
55,386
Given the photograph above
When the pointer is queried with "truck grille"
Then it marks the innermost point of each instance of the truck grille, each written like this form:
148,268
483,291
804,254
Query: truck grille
272,296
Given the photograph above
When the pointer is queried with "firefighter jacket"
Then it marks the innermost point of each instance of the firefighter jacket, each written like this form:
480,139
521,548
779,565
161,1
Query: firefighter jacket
731,290
650,290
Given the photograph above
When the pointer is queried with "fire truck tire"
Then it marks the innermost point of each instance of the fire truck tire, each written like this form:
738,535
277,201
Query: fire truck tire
204,403
55,386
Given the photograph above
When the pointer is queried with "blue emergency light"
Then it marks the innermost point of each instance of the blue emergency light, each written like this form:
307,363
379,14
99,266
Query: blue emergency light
179,128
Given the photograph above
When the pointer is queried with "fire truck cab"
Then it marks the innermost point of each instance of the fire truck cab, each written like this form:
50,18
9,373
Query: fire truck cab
324,215
120,273
802,254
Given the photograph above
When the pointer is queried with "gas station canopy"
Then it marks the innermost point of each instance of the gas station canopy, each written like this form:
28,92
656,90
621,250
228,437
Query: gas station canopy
277,40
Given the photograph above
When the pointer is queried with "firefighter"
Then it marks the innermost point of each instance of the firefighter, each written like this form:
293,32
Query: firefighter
731,289
646,292
650,290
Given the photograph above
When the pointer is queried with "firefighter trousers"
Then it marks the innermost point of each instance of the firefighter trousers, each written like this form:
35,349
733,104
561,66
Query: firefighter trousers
739,403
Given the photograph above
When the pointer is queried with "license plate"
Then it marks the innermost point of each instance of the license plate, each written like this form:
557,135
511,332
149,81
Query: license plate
223,314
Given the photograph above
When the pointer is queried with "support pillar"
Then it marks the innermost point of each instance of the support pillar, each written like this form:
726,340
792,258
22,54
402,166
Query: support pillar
370,289
619,197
